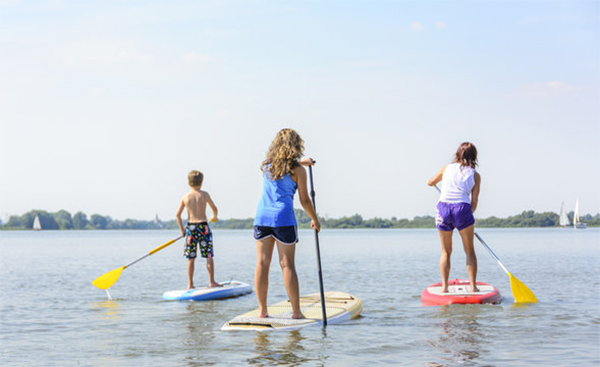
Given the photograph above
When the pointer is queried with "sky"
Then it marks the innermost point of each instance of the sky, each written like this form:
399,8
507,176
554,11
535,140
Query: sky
105,106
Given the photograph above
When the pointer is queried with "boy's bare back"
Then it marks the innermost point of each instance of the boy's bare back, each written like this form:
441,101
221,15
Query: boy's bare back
195,202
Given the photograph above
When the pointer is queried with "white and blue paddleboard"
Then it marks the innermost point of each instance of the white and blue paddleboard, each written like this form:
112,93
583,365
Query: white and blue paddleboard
229,289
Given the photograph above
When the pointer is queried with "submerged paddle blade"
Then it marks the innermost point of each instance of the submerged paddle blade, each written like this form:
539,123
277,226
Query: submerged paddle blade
105,281
520,291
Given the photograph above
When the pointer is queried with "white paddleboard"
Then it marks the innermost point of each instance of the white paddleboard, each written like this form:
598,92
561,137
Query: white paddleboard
339,307
229,289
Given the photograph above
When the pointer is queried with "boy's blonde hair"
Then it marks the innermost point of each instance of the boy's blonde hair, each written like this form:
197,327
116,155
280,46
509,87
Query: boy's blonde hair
283,155
195,178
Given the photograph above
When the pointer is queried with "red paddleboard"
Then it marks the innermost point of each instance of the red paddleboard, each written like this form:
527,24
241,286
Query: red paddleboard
459,292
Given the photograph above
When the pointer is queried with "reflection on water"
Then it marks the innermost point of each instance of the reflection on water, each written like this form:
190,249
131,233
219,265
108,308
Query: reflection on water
198,336
109,308
460,336
276,348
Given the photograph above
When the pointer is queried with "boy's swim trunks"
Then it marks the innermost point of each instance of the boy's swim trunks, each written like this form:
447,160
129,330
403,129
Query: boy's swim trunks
450,216
198,235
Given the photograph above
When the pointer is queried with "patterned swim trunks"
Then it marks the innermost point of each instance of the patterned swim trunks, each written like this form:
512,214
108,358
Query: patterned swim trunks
198,235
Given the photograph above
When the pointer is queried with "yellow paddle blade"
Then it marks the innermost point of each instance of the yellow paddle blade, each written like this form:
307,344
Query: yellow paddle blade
520,291
106,280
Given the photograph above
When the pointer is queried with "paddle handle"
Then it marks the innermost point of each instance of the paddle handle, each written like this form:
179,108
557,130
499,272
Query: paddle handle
154,251
164,245
312,196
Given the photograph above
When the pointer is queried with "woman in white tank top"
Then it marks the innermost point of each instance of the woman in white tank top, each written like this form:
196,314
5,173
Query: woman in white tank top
458,201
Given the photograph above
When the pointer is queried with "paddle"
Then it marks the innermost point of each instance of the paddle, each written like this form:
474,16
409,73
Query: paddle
520,292
312,195
106,280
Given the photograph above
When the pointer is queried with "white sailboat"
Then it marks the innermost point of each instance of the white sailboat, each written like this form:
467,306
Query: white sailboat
36,224
576,223
564,218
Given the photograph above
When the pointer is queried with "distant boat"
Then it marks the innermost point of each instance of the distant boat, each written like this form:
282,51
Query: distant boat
576,223
564,218
36,224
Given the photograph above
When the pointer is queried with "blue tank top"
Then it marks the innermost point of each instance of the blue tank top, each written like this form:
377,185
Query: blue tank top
276,205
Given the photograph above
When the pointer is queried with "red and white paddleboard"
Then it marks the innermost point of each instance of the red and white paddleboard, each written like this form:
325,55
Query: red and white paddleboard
459,292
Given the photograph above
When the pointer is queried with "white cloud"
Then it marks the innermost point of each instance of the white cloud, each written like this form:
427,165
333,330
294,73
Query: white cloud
417,26
441,25
103,52
546,89
196,58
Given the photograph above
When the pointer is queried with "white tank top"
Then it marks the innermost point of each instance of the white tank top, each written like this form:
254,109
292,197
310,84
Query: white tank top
457,184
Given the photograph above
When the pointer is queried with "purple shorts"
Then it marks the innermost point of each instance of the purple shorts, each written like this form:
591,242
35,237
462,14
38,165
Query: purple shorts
450,216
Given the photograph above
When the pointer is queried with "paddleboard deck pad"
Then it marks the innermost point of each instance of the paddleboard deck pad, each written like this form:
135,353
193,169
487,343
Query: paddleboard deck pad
339,307
229,289
459,292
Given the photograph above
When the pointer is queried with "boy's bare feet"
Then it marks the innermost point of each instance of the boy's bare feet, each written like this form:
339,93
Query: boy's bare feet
215,285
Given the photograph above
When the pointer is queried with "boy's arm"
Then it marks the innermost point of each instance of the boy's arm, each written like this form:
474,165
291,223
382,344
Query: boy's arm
436,178
214,209
475,192
178,217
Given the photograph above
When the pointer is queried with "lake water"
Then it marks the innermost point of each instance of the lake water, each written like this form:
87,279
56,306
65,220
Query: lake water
51,315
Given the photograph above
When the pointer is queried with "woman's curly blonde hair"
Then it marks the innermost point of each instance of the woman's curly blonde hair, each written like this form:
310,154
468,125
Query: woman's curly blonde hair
283,155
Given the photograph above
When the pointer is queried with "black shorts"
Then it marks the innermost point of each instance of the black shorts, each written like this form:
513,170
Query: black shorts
287,235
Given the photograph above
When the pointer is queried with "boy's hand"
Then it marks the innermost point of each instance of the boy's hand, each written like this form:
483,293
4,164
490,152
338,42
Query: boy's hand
214,219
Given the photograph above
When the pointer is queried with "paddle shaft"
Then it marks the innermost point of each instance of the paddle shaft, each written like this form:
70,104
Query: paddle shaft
491,252
312,195
154,251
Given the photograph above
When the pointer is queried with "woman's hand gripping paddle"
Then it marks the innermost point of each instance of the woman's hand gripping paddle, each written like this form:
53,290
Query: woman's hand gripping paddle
106,280
520,292
312,195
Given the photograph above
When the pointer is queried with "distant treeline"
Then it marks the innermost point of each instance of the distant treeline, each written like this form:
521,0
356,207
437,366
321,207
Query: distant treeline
64,220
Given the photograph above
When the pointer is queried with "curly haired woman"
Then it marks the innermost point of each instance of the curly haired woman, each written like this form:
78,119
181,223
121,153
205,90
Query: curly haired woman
275,223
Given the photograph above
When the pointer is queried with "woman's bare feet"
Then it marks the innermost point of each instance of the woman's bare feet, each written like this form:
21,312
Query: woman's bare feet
263,315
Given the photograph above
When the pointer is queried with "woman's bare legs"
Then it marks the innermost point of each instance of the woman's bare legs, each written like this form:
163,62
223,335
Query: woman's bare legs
287,255
446,239
264,252
467,236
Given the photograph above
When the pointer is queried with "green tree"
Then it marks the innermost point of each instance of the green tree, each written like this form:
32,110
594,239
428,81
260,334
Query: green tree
80,221
47,220
14,221
64,219
99,222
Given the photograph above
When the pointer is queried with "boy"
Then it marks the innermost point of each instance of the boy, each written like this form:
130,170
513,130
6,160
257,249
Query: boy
197,232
